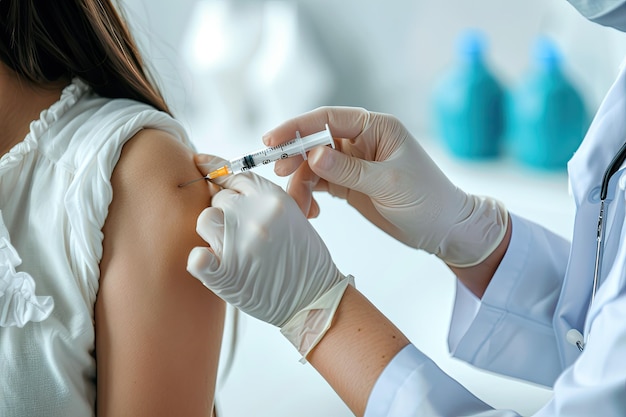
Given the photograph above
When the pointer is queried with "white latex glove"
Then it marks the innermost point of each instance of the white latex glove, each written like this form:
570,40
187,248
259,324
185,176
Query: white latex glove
265,258
382,171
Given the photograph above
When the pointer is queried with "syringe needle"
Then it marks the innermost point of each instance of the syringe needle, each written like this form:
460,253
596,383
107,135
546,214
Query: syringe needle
220,172
192,181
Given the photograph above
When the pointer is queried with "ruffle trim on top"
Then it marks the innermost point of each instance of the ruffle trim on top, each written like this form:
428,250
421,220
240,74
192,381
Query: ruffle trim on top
69,96
18,302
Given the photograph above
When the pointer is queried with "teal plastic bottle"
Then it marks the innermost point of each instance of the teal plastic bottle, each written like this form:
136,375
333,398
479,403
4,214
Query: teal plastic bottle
547,115
469,103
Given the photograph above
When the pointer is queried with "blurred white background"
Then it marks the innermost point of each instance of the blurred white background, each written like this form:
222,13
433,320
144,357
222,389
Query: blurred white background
233,69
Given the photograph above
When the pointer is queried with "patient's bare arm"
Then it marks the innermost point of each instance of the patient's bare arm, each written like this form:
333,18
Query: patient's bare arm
158,330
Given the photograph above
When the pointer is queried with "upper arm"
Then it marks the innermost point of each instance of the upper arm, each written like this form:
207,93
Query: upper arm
158,330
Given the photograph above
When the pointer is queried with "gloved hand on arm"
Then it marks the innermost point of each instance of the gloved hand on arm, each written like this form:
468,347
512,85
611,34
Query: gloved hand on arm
382,171
265,258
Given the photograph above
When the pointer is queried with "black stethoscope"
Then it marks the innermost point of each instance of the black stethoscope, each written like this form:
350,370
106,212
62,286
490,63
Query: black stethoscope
574,336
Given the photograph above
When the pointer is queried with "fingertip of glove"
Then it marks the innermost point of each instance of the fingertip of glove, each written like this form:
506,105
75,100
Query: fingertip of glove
314,210
202,158
266,138
194,259
203,216
321,159
284,167
206,163
201,261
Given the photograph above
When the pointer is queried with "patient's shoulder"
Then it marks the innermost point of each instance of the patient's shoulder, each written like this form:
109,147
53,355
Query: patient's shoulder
157,158
147,200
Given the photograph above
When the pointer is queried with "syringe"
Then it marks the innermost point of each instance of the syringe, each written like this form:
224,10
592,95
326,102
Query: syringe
297,146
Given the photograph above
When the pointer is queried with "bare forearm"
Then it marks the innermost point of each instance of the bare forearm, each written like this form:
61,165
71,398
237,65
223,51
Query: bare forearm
477,278
356,349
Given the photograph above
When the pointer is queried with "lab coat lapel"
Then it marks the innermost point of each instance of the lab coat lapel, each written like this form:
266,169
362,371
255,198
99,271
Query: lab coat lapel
605,136
586,168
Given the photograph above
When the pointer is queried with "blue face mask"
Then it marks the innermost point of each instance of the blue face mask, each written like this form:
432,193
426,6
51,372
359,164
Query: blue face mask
610,13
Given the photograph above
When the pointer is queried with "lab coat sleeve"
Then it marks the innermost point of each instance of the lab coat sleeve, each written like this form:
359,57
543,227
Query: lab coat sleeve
509,331
595,385
412,385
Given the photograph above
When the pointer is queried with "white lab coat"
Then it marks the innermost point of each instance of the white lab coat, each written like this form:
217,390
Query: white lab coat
540,291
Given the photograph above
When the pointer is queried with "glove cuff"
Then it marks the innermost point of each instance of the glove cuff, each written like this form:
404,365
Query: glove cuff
309,325
473,239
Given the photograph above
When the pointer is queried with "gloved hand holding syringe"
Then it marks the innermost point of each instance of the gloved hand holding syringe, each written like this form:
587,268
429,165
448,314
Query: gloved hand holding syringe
297,146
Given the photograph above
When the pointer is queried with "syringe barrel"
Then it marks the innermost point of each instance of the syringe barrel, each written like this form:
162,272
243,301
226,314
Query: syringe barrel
241,164
296,146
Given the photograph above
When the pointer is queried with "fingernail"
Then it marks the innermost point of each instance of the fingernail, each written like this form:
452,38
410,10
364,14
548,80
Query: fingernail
265,138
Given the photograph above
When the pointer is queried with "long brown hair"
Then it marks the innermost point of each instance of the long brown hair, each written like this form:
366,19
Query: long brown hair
46,40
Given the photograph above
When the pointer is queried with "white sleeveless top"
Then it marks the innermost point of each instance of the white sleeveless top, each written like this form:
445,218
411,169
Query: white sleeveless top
55,191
